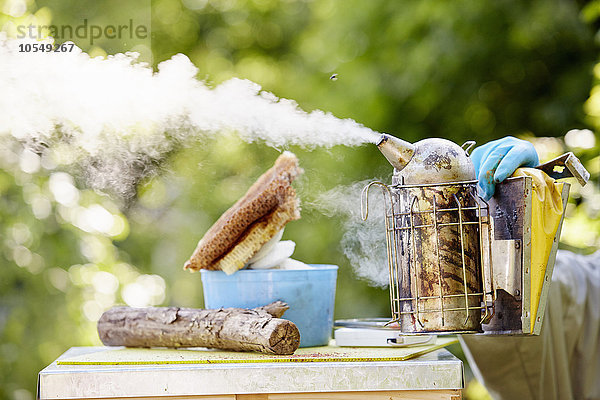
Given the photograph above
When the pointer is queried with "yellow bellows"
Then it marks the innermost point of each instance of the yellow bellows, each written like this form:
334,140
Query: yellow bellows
546,213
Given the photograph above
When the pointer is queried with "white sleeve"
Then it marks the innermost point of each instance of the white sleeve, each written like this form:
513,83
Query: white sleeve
564,361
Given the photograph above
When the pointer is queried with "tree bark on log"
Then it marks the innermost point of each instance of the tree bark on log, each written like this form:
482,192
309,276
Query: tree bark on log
259,329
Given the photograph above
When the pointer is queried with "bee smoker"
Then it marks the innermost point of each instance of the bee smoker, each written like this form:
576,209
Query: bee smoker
458,263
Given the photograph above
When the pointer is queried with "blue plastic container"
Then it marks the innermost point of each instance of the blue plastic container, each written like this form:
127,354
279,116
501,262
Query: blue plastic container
310,293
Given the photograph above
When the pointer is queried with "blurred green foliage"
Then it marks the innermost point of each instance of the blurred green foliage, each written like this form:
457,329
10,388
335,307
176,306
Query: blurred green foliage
461,70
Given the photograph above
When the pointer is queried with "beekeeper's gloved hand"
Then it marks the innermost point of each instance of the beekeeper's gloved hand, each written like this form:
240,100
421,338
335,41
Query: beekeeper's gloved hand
497,160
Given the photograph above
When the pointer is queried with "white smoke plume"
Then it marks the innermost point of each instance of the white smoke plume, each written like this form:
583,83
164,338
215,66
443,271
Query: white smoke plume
363,242
117,119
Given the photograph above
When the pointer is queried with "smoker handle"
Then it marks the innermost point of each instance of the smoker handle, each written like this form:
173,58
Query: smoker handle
467,146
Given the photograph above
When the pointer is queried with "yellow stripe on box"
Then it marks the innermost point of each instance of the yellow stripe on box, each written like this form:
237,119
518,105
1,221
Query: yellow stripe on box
134,356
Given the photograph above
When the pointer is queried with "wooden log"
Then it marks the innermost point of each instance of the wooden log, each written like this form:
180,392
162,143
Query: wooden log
238,329
275,309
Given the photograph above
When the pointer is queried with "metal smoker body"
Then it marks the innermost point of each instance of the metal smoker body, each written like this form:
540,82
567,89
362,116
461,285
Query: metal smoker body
435,269
457,263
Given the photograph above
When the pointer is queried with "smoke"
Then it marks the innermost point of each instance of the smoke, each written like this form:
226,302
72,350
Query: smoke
117,120
363,242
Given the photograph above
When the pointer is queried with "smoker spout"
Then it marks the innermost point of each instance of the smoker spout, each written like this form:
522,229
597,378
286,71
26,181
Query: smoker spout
397,151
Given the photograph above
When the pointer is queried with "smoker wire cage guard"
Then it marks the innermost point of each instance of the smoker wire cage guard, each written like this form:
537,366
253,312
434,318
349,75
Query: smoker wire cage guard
438,278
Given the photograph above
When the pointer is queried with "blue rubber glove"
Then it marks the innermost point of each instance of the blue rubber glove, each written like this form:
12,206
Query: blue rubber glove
497,160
